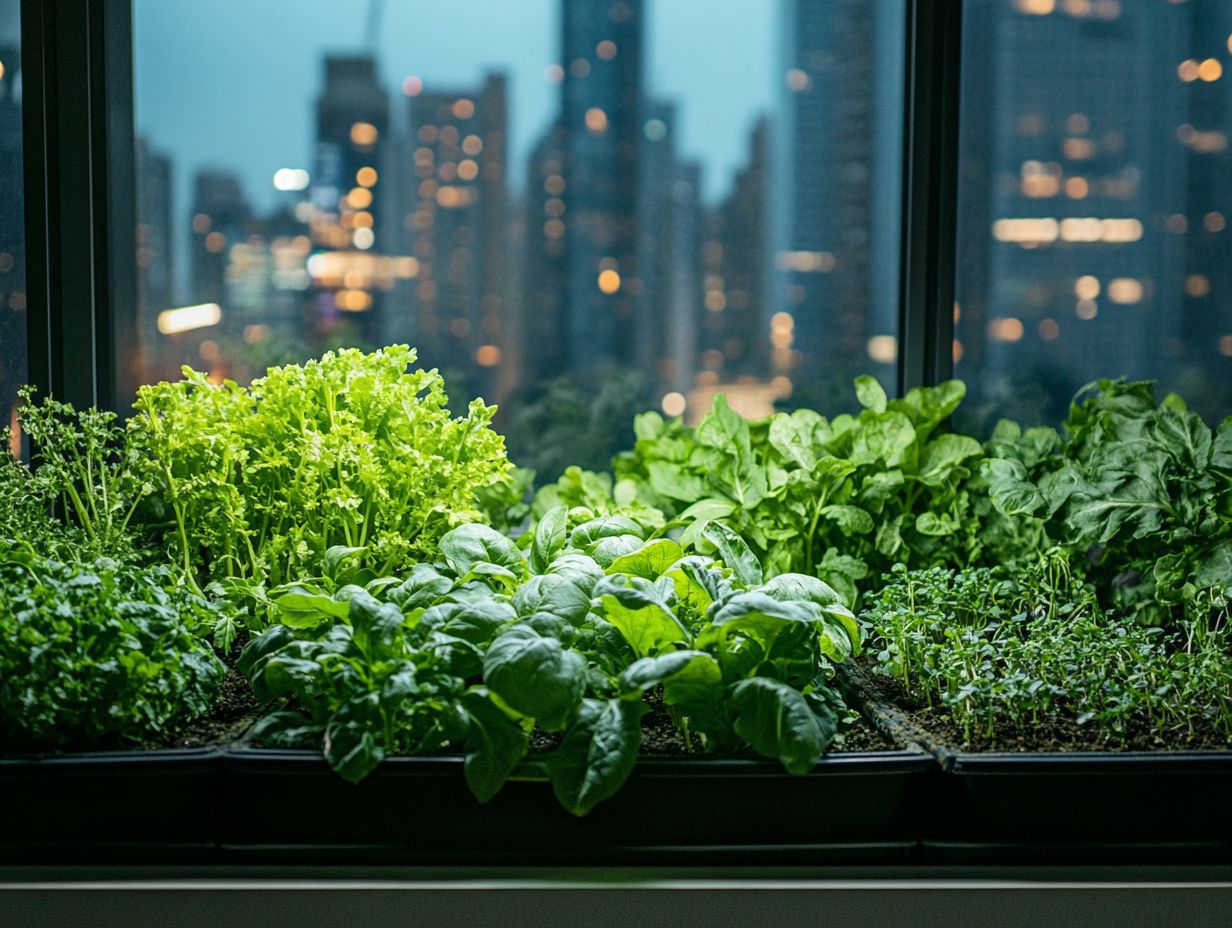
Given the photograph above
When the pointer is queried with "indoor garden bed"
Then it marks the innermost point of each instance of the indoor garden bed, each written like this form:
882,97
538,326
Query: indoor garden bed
385,644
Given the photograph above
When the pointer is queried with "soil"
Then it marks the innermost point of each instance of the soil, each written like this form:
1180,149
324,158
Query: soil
234,712
1050,733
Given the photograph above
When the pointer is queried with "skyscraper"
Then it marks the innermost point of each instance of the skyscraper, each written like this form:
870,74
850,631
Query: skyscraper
824,196
1075,224
601,106
347,193
220,214
155,254
457,219
543,351
12,236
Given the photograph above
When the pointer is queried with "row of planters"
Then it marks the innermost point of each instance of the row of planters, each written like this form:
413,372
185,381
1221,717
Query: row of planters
321,611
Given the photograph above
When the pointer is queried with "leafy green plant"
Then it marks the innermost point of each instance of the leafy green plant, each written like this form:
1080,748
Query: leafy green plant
352,450
1140,492
997,647
78,496
97,652
474,651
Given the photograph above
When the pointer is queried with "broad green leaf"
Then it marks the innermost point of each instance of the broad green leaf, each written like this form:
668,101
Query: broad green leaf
638,609
870,393
1008,487
352,745
928,406
469,545
650,562
696,690
674,482
885,438
476,622
735,553
424,586
932,523
777,721
560,594
943,455
792,436
851,519
597,754
299,606
589,534
1216,568
606,551
649,672
494,745
581,569
535,675
378,627
792,587
707,510
550,537
336,555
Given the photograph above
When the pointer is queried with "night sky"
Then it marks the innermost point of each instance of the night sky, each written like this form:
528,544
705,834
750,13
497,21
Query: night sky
231,83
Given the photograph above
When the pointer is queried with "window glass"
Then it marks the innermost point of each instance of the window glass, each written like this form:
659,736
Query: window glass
12,220
1096,192
574,209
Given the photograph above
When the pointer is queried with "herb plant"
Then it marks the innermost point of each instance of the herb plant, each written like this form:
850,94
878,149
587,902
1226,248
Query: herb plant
97,653
998,648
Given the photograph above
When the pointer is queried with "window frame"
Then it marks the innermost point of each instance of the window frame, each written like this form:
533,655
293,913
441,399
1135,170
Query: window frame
80,204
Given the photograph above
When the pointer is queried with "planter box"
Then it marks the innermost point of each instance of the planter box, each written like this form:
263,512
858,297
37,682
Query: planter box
1082,807
110,807
856,808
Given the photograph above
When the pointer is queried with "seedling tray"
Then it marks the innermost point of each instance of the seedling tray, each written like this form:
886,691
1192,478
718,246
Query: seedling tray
857,807
1054,807
111,806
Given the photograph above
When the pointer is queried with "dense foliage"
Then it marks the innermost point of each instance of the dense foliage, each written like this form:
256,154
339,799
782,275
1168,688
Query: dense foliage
994,646
95,652
259,482
474,651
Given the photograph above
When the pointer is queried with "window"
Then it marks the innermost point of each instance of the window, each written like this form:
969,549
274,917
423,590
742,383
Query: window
574,209
12,229
1094,204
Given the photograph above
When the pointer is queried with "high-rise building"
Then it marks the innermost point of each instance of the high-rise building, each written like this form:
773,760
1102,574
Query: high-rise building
220,215
736,326
12,237
347,192
824,194
457,221
155,255
543,351
1085,191
602,126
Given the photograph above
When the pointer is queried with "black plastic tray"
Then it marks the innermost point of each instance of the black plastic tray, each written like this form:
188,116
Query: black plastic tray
122,805
856,807
1082,807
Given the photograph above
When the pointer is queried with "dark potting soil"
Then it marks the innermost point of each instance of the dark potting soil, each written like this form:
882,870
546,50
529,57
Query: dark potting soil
234,712
1050,733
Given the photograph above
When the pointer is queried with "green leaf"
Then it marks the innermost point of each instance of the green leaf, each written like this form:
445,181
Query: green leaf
792,436
649,672
870,394
650,562
606,551
352,745
477,622
1011,492
777,721
851,519
470,545
943,455
302,606
550,537
559,594
937,524
598,753
335,556
1216,567
929,406
735,553
587,535
674,482
535,675
885,438
638,609
378,627
494,745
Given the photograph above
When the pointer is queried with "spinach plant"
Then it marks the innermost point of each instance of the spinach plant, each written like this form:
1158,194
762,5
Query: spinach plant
569,634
